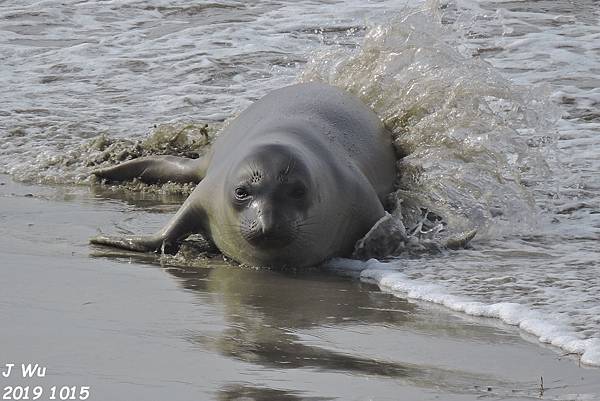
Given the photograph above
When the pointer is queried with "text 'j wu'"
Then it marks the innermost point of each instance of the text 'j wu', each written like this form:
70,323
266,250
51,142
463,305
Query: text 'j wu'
26,370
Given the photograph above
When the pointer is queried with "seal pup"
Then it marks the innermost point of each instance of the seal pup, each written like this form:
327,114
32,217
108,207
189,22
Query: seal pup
295,179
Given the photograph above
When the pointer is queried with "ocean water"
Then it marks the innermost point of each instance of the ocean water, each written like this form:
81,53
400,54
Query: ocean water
494,104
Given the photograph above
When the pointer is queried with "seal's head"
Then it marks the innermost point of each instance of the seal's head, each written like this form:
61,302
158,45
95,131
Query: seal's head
271,193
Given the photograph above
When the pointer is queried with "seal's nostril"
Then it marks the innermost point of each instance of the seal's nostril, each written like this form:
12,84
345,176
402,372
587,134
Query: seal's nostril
265,227
267,221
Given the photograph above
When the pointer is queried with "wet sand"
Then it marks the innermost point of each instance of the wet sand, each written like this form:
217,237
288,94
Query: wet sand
132,327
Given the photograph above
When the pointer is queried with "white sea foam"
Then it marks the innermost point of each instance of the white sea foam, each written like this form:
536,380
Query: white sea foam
389,278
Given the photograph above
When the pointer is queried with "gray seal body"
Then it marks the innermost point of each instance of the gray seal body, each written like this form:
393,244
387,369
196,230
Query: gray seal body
295,179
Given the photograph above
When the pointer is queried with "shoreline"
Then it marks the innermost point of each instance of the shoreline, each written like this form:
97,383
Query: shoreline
543,331
128,327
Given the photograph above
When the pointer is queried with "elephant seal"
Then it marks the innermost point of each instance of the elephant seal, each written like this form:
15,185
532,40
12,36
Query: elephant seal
295,179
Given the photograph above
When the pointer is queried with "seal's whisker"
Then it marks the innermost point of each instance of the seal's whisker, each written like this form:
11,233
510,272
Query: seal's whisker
307,224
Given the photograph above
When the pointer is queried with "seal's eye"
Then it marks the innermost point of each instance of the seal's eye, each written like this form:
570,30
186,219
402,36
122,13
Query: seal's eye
298,192
241,193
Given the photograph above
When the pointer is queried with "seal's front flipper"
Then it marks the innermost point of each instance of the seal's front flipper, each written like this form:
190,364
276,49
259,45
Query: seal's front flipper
156,169
189,219
137,243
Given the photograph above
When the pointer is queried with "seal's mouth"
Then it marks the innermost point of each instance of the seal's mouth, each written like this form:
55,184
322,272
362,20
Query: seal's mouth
269,240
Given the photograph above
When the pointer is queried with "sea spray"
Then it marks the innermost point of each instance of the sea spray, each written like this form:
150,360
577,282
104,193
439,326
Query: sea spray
459,127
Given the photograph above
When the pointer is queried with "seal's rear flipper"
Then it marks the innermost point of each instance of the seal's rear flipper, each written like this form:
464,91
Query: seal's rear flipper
461,241
156,169
136,243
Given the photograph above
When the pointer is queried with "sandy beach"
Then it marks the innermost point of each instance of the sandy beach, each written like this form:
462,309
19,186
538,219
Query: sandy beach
131,327
493,111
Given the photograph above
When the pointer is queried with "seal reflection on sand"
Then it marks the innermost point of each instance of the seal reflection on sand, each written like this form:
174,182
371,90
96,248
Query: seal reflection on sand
268,313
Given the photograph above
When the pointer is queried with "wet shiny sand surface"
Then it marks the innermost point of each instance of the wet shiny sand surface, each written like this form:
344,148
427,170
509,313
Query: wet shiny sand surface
131,328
